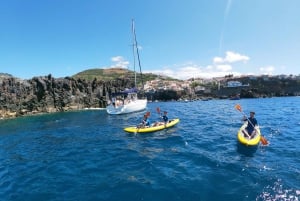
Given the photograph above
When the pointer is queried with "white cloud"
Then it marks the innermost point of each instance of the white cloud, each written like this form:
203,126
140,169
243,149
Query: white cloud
267,70
120,62
217,60
219,68
209,67
231,57
235,57
116,58
194,71
224,67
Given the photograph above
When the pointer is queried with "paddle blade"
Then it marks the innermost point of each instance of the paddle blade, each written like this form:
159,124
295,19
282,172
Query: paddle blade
238,107
264,140
158,110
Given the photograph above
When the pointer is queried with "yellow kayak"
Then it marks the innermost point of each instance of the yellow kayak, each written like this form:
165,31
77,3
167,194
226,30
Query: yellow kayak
134,129
244,138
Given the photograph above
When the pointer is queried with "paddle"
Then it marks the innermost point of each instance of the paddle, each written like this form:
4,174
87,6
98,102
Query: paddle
262,138
147,114
158,110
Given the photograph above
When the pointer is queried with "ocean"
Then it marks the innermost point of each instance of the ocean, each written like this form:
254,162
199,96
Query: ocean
86,155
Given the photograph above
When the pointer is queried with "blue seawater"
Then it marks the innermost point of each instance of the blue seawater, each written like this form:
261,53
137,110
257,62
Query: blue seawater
86,155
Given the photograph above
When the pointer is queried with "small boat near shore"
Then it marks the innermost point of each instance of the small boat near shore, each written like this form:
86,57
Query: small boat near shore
235,97
127,101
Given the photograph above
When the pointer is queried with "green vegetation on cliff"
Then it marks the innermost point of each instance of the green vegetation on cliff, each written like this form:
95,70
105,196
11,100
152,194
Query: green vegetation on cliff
114,73
102,74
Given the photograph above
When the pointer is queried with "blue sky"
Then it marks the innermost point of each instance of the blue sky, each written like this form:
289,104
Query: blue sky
182,39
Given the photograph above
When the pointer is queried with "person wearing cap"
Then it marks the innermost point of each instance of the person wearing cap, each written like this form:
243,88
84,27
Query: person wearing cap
252,122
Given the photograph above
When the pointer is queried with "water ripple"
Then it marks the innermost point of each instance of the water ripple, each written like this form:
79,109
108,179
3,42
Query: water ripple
86,155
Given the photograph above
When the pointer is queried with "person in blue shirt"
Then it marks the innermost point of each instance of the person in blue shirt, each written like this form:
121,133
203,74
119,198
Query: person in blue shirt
145,122
165,117
252,122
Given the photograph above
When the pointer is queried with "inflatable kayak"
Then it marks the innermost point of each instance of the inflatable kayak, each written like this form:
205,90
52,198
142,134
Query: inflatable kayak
244,138
152,128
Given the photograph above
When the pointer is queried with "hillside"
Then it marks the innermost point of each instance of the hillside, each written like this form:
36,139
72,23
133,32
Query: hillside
114,73
102,74
4,75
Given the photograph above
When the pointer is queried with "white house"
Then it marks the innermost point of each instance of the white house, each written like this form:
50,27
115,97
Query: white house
234,84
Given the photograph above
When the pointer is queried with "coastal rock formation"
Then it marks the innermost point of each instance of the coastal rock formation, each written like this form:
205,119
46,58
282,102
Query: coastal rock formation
45,94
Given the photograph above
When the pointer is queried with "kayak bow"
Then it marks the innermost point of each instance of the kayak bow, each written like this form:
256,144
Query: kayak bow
244,138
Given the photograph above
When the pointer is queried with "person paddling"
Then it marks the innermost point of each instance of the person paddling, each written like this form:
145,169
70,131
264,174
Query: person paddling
252,122
165,117
145,122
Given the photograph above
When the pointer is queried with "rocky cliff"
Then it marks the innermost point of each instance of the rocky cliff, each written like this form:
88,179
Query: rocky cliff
45,94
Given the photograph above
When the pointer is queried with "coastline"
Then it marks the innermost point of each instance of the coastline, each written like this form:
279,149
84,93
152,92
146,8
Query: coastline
45,94
12,114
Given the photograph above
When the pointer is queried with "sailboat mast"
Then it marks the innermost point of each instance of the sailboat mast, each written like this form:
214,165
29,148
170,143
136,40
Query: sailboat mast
133,51
135,45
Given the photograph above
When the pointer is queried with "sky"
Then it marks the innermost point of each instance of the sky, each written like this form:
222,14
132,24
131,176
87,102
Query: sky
182,39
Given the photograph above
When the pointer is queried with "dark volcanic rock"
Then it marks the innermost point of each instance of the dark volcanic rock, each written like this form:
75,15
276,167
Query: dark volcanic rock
46,94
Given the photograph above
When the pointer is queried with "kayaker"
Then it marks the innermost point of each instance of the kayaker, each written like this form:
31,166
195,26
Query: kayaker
251,123
145,122
165,117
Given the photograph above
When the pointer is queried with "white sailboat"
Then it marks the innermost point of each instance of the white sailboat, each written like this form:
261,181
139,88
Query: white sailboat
127,101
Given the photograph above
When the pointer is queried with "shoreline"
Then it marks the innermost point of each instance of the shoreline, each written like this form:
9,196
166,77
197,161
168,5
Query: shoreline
6,115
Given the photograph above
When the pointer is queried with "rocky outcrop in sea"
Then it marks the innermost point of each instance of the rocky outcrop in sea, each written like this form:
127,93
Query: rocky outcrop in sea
45,94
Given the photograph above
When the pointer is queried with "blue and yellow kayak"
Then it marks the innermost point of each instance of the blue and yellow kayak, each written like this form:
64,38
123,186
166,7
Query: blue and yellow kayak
134,129
245,139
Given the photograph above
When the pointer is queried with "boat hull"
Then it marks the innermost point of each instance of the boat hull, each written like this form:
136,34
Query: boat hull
245,139
134,129
133,106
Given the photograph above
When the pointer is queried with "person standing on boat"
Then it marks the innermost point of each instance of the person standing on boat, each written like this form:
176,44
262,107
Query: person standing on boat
113,99
252,122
